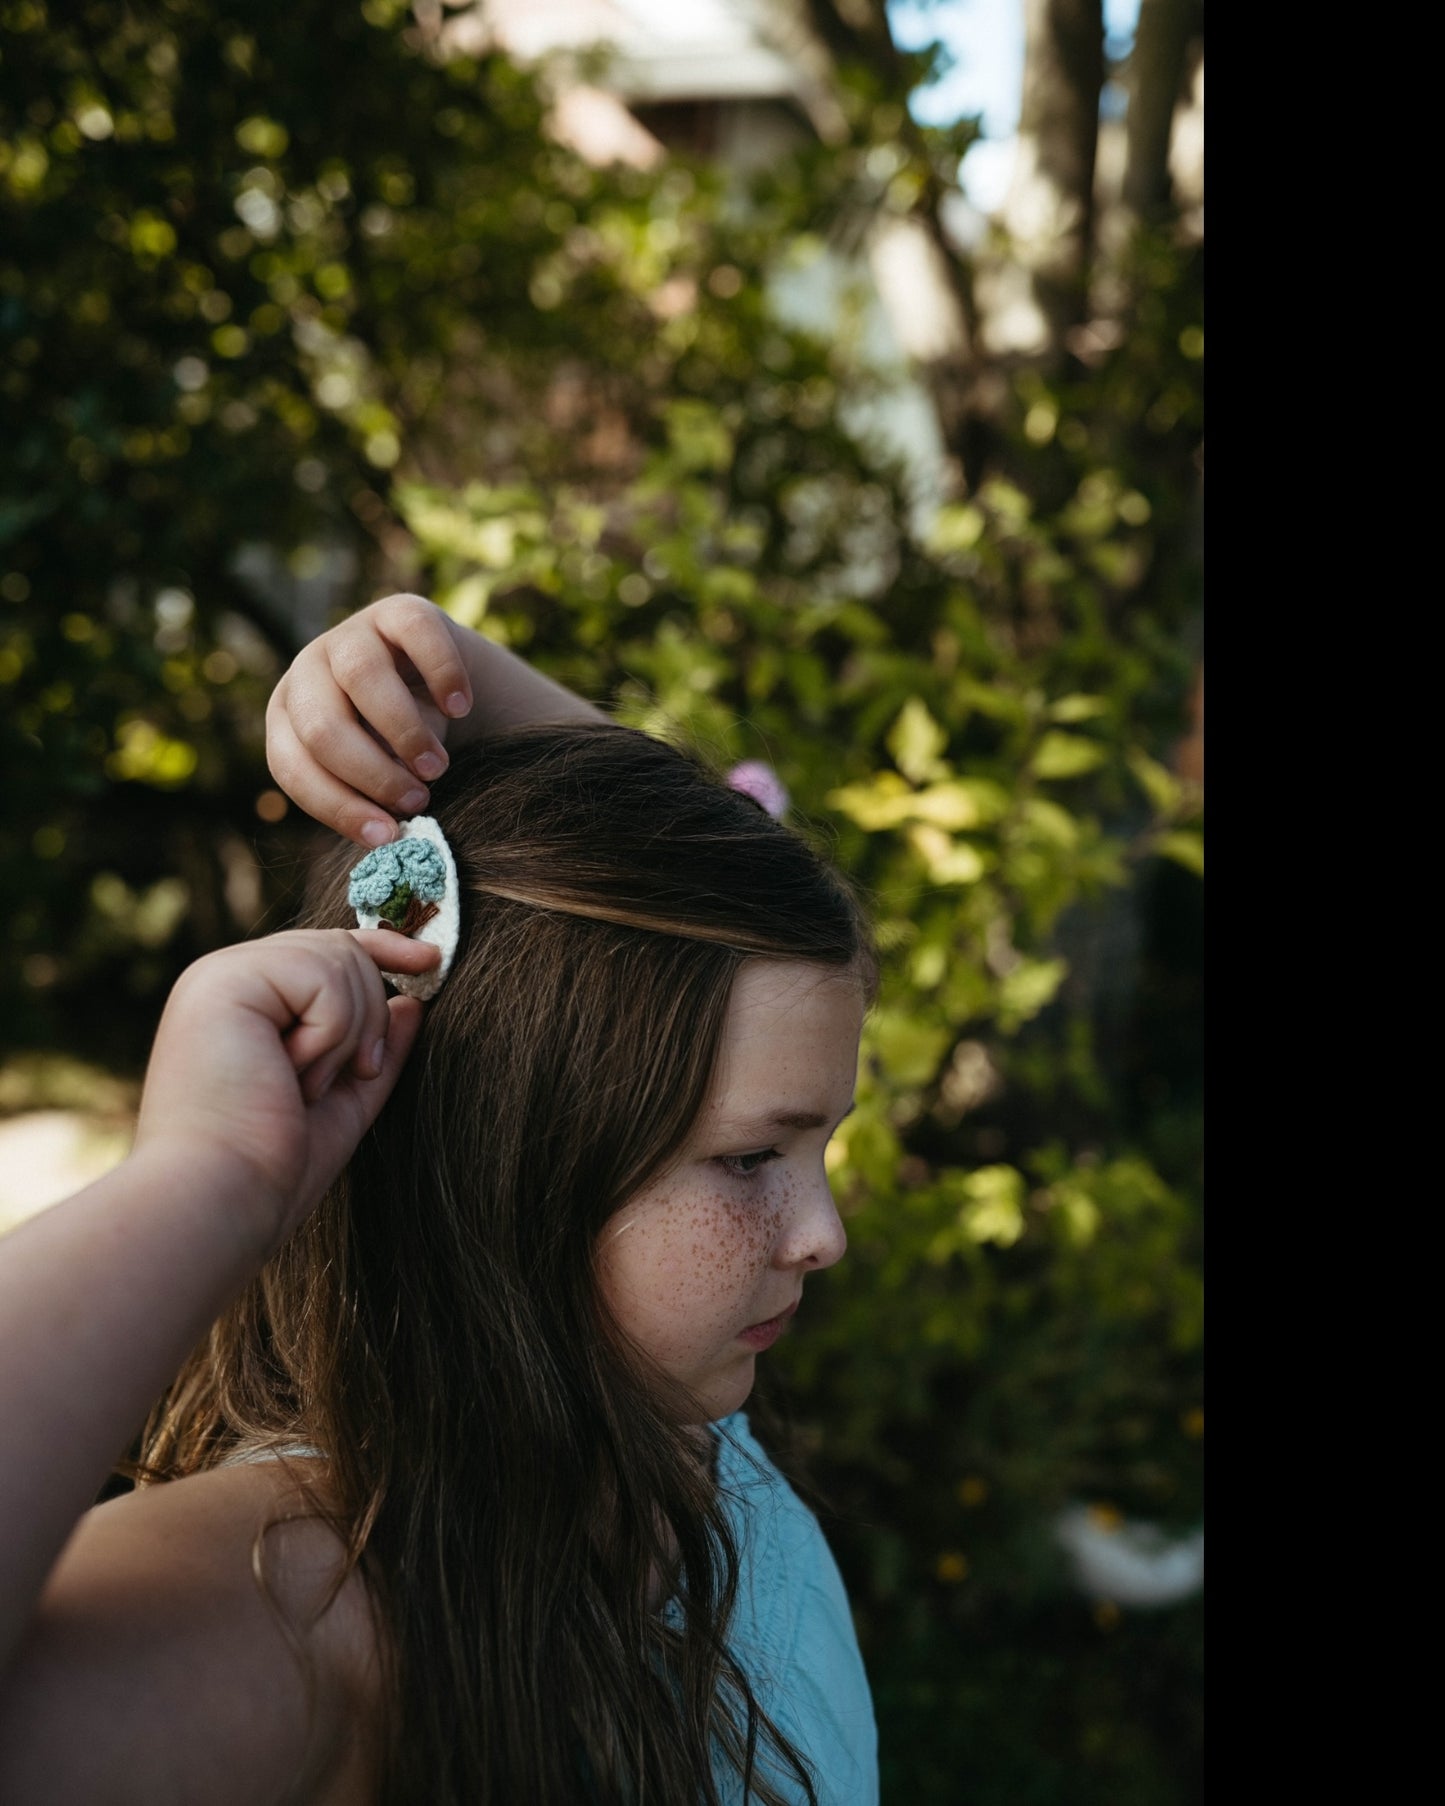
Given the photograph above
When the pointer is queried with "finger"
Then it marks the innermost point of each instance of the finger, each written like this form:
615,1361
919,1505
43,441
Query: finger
358,751
317,982
358,994
344,1024
370,1054
348,1111
395,952
324,797
419,630
322,1039
364,668
404,1020
361,976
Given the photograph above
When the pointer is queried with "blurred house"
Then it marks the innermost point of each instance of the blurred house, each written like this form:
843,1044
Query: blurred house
741,82
634,79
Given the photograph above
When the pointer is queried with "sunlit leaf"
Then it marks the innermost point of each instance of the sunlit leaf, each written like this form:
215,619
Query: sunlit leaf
957,528
1157,782
145,755
698,437
909,1050
1065,756
882,801
916,741
1078,707
992,1205
1028,987
949,861
1050,821
1184,847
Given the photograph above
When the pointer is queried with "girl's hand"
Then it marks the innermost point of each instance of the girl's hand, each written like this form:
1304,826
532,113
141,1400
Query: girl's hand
272,1060
358,725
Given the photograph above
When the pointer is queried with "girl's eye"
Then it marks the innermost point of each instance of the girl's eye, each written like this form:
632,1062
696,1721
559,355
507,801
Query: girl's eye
741,1165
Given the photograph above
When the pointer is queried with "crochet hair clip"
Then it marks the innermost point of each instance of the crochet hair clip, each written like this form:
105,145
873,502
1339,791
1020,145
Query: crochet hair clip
411,886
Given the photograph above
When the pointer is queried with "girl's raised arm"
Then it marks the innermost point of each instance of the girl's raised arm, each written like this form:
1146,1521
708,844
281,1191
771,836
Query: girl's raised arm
358,726
271,1061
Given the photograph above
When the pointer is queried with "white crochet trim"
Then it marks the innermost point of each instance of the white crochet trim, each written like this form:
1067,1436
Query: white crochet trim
443,930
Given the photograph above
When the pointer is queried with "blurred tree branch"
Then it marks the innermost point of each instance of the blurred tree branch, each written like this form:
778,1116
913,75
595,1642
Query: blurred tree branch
1169,33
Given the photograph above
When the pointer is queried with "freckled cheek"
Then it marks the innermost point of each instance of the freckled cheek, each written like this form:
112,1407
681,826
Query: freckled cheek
720,1245
717,1247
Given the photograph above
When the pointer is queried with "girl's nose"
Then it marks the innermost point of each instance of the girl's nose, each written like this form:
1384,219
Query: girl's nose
812,1234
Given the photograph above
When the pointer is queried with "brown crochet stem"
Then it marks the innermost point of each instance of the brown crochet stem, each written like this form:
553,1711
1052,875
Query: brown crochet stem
418,914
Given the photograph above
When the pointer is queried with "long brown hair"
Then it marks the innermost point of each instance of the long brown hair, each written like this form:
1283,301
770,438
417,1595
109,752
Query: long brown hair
500,1465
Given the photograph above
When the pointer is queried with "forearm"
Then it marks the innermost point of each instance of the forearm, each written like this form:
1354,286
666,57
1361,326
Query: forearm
101,1298
508,693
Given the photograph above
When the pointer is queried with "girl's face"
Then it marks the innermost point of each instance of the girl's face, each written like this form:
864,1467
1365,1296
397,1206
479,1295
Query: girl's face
703,1267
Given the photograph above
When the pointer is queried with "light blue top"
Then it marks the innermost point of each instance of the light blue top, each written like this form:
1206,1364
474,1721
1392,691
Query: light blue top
792,1631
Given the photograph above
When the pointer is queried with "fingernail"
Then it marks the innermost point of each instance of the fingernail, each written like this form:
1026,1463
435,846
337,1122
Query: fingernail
429,766
378,1057
376,833
412,801
456,704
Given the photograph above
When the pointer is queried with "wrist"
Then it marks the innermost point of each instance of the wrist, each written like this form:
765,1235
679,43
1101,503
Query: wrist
482,660
218,1199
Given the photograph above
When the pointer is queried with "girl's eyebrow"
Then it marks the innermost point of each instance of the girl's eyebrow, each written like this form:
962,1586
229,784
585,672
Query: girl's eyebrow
786,1119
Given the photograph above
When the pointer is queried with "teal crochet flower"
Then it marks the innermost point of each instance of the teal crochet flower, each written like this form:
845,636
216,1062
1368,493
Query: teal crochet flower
389,878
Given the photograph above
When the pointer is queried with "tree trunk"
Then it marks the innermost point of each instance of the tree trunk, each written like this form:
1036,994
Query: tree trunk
1155,79
926,289
1049,211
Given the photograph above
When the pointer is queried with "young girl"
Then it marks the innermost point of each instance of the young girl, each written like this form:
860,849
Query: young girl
460,1503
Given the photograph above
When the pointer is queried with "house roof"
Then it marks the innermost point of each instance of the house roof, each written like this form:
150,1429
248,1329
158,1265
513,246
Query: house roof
660,50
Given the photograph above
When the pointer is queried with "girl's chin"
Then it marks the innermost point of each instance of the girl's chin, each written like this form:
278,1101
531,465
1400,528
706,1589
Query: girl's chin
729,1392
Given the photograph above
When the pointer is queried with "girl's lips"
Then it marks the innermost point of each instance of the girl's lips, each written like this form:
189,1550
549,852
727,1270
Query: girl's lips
763,1335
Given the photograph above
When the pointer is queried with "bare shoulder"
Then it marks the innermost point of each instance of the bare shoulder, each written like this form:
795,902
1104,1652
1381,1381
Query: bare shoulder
155,1669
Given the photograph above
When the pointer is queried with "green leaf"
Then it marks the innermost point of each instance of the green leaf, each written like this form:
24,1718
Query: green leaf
698,437
1078,707
1065,756
996,701
262,137
1184,847
1075,1213
1158,783
867,1146
951,805
725,583
882,801
993,1205
916,741
887,801
1025,990
949,861
909,1050
1050,822
956,528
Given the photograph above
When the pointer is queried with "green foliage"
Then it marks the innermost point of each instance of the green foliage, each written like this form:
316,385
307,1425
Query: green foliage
238,269
313,290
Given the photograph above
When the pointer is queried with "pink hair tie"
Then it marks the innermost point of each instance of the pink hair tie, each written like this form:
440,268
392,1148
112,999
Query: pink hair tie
759,781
